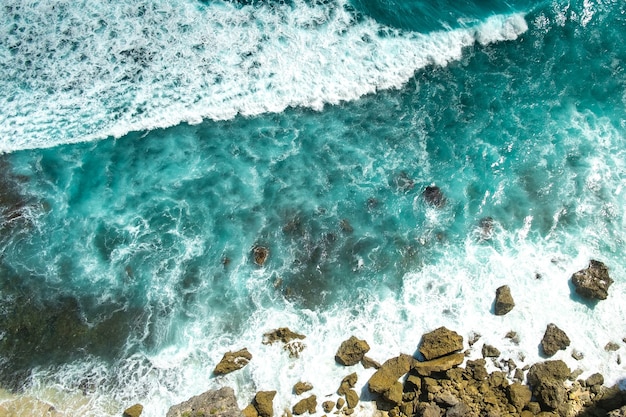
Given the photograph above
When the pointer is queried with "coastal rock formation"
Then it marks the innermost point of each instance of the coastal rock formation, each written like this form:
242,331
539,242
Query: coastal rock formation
232,361
308,404
260,254
504,301
264,403
554,339
434,196
440,342
133,411
351,351
215,403
301,387
593,282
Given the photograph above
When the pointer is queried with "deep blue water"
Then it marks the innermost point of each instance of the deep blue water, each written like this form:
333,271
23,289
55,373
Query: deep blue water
149,147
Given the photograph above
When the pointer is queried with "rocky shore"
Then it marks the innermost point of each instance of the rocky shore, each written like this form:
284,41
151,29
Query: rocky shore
438,380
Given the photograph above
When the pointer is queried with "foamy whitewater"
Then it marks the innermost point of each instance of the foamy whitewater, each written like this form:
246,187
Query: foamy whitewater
149,146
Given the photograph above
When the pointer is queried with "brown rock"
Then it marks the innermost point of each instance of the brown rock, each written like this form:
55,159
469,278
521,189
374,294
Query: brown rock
438,365
217,403
369,363
389,373
232,361
611,347
550,393
301,387
264,403
460,409
489,351
328,406
347,383
519,395
340,403
504,301
133,411
595,379
547,370
351,351
282,334
593,282
554,339
260,254
394,393
352,398
250,411
308,404
440,342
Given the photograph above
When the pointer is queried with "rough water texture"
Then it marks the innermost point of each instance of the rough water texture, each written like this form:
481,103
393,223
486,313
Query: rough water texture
398,162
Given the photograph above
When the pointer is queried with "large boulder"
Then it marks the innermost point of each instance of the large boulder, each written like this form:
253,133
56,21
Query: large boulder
232,361
214,403
389,372
264,403
593,282
554,339
260,254
519,395
550,394
547,370
438,365
440,342
308,404
133,411
504,301
351,351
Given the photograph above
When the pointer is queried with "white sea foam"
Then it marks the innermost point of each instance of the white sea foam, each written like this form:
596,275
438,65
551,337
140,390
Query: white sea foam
74,72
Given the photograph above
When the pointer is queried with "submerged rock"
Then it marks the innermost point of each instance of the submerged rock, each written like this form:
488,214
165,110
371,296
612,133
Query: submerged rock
232,361
434,196
554,339
504,301
440,342
215,403
351,351
260,254
593,282
282,334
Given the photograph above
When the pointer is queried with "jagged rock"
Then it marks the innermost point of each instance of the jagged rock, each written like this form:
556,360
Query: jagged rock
389,373
232,361
250,411
428,410
347,383
595,379
550,393
554,339
434,196
513,337
352,398
216,403
264,403
593,282
133,411
438,365
308,404
489,351
282,334
369,363
519,395
504,301
440,342
460,410
543,371
351,351
446,399
340,403
301,387
328,406
260,254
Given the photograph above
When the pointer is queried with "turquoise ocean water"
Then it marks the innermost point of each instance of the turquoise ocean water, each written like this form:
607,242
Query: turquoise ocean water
148,147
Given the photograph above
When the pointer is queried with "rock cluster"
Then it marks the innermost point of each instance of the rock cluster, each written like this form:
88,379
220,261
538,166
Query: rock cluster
218,403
